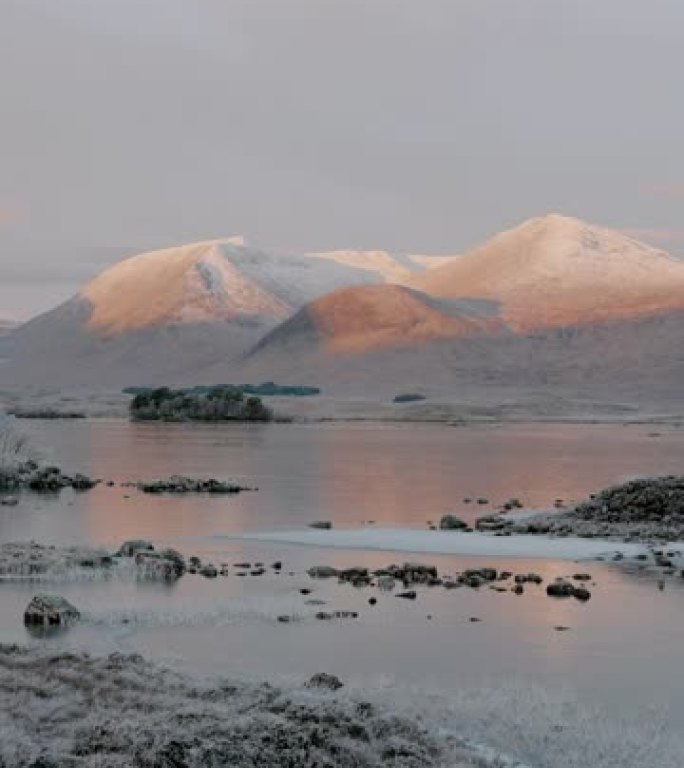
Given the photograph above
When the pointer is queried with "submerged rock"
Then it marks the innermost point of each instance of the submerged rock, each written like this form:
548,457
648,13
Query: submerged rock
50,610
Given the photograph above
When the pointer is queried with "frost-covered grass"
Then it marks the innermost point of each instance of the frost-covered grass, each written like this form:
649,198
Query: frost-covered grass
14,445
66,709
28,560
63,710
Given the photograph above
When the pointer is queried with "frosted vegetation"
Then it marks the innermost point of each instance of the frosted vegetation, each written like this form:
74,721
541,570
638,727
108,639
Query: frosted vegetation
61,710
14,446
217,404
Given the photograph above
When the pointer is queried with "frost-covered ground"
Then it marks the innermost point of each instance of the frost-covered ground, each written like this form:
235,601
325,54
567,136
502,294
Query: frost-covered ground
61,710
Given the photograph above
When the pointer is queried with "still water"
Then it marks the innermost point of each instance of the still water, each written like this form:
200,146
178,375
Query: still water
622,650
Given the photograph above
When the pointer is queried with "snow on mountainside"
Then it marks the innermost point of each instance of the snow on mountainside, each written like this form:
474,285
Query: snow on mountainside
557,271
553,306
225,280
159,316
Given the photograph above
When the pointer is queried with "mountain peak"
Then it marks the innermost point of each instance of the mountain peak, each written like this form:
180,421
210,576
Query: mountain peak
555,271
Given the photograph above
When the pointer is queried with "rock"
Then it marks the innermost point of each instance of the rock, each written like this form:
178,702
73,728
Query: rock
181,484
560,588
153,565
408,595
209,571
176,558
581,593
304,591
372,601
356,576
491,523
324,680
483,501
277,565
50,610
9,501
582,577
323,525
82,482
322,572
452,523
133,546
284,619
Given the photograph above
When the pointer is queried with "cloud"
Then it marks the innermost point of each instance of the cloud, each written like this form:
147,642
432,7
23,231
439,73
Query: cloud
668,189
11,214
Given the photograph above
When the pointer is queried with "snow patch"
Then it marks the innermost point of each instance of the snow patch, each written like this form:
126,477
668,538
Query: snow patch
451,543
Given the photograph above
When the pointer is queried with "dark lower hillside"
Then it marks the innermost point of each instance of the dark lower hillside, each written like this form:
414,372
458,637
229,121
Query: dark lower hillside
217,404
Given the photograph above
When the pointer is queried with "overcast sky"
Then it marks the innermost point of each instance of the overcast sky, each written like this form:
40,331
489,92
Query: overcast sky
417,125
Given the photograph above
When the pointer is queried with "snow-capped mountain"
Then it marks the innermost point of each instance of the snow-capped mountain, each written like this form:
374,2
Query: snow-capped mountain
552,303
160,315
555,271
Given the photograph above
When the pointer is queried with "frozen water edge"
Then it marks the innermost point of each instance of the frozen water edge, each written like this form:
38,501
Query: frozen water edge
451,543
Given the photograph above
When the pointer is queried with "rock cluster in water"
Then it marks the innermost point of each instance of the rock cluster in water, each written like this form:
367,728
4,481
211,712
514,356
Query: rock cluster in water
181,484
31,476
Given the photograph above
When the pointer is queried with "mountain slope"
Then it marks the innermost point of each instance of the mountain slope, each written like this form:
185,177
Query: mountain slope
556,271
358,320
554,306
160,315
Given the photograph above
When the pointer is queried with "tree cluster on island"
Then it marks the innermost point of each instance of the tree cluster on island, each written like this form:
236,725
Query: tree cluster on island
215,404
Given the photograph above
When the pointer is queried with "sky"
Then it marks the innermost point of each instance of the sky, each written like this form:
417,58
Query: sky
412,125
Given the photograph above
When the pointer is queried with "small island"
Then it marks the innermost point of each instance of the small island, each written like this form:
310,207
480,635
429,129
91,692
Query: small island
214,405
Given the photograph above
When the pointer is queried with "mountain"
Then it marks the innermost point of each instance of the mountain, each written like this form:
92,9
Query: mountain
552,306
159,316
555,271
361,319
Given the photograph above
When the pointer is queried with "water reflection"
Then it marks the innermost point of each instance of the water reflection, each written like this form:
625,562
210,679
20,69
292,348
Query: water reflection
396,475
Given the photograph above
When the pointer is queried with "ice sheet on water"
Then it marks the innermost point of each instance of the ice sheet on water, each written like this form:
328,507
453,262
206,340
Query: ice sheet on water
451,543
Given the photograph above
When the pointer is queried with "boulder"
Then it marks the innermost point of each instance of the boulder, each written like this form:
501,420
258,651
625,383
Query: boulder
175,557
560,588
452,523
50,610
322,572
132,547
152,565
